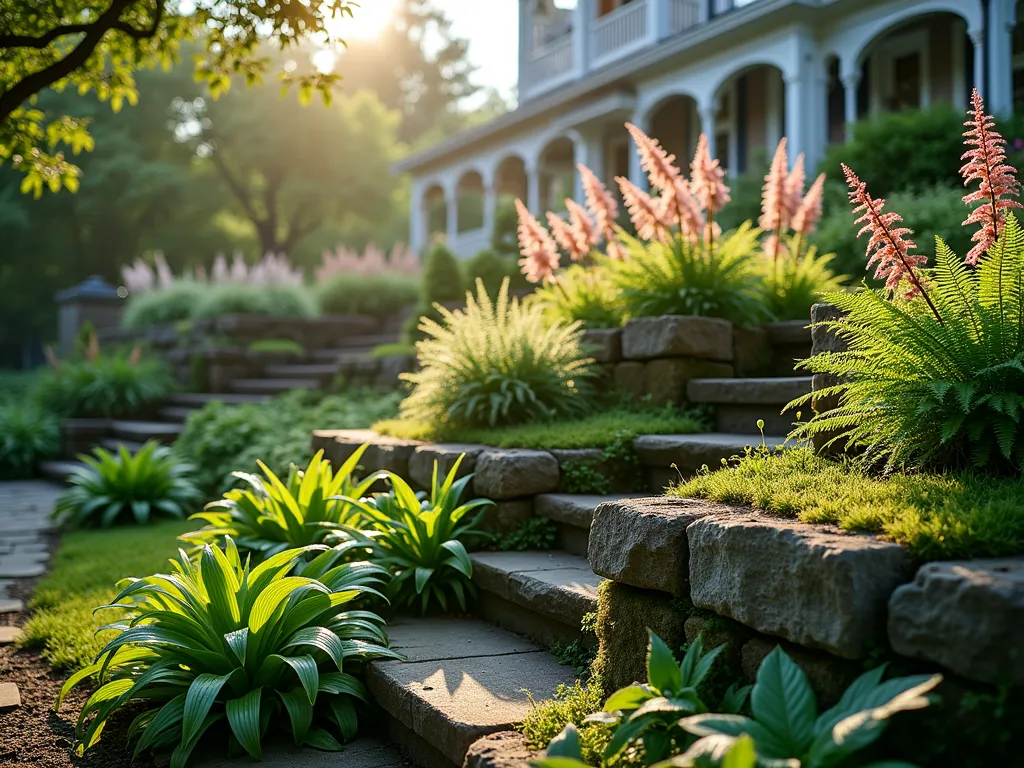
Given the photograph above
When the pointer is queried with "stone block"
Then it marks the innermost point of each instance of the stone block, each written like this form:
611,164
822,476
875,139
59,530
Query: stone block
505,516
507,749
384,452
665,380
812,585
510,474
629,377
691,452
9,635
823,339
577,465
751,351
421,462
967,616
10,698
642,542
391,368
646,338
11,605
828,676
603,344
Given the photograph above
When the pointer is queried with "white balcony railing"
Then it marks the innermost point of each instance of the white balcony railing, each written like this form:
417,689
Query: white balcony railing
684,15
549,66
625,29
469,243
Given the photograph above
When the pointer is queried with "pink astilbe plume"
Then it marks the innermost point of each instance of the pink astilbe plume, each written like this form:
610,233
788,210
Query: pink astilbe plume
540,255
563,234
807,215
582,228
658,163
775,203
647,214
682,209
706,179
600,202
986,163
795,187
888,247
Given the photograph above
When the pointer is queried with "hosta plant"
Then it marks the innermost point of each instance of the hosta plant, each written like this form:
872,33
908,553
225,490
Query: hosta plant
934,372
787,729
271,516
219,643
497,362
122,487
422,541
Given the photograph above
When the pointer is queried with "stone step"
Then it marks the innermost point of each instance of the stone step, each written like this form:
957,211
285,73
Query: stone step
272,386
463,680
59,471
302,371
362,343
573,513
669,457
114,444
542,595
176,413
739,403
142,431
367,751
199,399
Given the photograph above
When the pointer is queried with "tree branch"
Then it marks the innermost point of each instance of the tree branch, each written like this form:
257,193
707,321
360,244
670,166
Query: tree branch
237,188
301,225
109,20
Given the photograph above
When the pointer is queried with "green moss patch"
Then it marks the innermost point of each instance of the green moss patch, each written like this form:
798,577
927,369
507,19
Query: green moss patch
85,569
594,431
936,516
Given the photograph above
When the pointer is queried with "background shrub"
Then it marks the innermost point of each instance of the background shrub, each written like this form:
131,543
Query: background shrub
173,304
380,295
28,434
442,277
110,386
585,295
234,298
492,268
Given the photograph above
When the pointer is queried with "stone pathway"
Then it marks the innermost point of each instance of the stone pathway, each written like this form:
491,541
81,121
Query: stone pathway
24,522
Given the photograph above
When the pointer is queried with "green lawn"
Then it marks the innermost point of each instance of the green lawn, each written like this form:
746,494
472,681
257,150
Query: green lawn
85,569
936,516
595,431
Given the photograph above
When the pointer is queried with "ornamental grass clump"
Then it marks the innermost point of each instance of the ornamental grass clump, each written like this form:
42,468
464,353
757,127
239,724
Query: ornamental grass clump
497,362
934,372
222,648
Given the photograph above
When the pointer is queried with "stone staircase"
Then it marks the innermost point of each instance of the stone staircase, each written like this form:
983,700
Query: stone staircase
740,403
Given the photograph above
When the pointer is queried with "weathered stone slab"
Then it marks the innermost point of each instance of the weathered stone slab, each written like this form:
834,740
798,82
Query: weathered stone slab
9,635
10,698
421,462
629,377
764,391
665,380
364,752
646,338
642,542
509,474
789,332
23,566
501,750
383,453
11,605
812,585
603,344
506,516
691,452
967,616
823,339
751,351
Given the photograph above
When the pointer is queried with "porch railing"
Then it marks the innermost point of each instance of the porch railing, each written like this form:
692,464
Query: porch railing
623,30
469,243
684,15
548,66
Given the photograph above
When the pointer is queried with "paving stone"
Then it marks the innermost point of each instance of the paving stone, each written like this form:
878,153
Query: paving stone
454,699
646,338
509,474
22,566
438,638
642,542
10,698
11,605
691,452
967,616
364,752
665,380
421,462
10,635
812,585
603,344
507,749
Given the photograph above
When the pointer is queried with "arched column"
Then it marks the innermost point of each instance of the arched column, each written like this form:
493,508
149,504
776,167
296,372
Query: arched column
708,112
451,208
977,37
489,181
1001,22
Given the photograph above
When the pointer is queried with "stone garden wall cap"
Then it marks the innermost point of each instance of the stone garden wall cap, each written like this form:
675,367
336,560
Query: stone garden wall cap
93,287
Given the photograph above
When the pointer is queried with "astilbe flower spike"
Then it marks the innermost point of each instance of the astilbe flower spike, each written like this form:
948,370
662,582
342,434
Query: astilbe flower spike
888,246
540,255
986,163
647,214
603,208
582,228
706,176
658,163
807,215
683,209
775,213
795,187
564,236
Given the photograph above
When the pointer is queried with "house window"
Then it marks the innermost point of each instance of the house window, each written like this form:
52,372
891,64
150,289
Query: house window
1018,57
906,92
899,72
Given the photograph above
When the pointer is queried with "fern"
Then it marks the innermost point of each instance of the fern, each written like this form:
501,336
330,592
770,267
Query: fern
584,295
497,363
918,390
680,278
797,280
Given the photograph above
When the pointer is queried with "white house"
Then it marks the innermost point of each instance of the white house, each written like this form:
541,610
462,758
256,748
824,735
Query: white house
745,72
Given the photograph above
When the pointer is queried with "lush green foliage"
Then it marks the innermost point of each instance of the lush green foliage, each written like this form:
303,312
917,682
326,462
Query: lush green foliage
82,575
497,362
537,532
125,487
442,277
786,725
270,516
569,706
232,298
595,430
797,280
220,439
219,640
936,516
108,386
276,347
492,268
172,304
381,295
422,542
682,279
394,348
920,389
28,434
583,295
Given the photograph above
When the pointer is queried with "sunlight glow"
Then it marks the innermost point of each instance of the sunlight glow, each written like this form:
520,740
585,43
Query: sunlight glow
367,21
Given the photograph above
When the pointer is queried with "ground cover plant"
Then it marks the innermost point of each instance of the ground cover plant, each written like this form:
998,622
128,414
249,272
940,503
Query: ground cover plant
124,487
593,430
934,372
269,516
937,516
217,640
82,575
220,439
497,362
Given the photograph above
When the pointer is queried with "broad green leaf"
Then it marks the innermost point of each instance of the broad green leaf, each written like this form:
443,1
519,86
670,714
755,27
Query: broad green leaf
244,719
662,671
782,701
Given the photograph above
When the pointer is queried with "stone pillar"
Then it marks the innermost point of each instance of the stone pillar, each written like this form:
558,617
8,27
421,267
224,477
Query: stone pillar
451,210
978,42
490,204
636,170
581,153
850,82
797,107
533,187
582,16
93,301
658,19
776,103
418,225
708,114
1002,20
